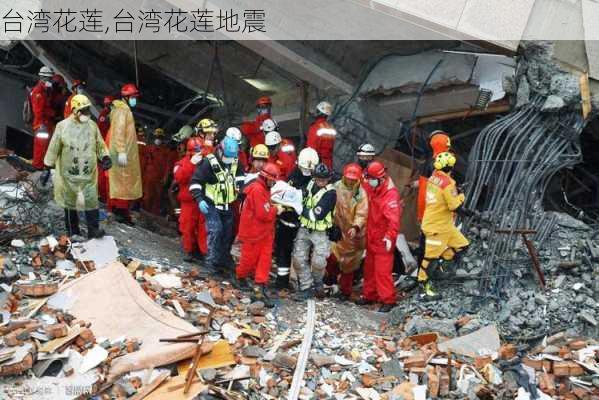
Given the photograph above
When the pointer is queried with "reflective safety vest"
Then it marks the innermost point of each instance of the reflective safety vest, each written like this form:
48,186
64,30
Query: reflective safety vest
310,202
224,190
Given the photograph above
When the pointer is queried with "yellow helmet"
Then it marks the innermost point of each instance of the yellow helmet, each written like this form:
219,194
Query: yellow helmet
158,132
444,160
79,102
207,125
260,151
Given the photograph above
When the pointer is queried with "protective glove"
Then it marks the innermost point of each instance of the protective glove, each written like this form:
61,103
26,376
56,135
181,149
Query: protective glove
106,163
122,159
388,244
204,207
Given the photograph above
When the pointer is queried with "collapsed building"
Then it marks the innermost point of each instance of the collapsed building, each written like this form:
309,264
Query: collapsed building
521,120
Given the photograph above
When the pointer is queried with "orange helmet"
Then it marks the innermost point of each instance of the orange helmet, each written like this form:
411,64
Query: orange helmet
194,145
352,171
129,90
439,142
264,101
270,171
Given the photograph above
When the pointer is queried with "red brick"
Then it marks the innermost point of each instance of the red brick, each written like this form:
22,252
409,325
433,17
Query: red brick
57,330
507,351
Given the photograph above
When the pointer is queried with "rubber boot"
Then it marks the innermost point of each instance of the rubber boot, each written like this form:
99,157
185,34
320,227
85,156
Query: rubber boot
303,295
319,292
282,282
428,291
363,302
239,283
261,294
385,308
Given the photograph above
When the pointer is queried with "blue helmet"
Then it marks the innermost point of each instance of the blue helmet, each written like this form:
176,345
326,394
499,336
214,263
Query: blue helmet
230,147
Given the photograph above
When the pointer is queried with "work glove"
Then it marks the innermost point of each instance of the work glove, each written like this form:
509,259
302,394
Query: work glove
106,163
122,159
388,244
204,207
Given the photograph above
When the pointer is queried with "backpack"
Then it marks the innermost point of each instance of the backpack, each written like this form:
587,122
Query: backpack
27,109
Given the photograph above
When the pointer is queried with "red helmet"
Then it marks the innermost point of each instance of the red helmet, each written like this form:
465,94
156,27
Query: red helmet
194,145
264,101
59,80
352,171
108,100
129,90
270,171
376,169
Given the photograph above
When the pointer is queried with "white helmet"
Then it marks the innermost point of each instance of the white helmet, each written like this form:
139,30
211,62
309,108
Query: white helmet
324,107
268,125
233,133
307,159
272,138
366,149
46,72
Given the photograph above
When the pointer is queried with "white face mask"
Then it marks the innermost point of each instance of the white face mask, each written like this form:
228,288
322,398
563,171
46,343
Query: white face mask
227,160
157,142
306,172
196,158
83,118
48,84
373,182
132,101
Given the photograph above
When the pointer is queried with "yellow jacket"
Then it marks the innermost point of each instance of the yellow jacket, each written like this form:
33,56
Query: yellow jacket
442,199
125,182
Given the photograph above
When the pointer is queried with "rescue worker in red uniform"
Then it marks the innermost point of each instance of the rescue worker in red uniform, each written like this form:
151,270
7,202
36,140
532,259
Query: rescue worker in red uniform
155,172
382,228
192,223
439,143
321,134
60,96
257,232
104,126
253,129
206,130
76,88
277,156
43,116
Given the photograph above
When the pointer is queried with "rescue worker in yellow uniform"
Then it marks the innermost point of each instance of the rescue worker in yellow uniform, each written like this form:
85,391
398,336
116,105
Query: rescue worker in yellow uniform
443,239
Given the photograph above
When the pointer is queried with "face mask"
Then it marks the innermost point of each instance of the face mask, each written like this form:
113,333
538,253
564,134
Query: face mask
227,160
306,172
373,182
363,163
132,101
157,142
83,118
48,84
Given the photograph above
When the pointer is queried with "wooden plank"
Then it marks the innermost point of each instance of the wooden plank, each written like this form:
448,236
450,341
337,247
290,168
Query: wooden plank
52,345
149,388
302,359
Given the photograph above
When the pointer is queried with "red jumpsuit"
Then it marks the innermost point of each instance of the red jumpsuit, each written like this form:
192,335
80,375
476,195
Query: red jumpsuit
154,175
321,137
284,162
384,214
43,114
192,223
252,129
256,232
103,125
288,147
